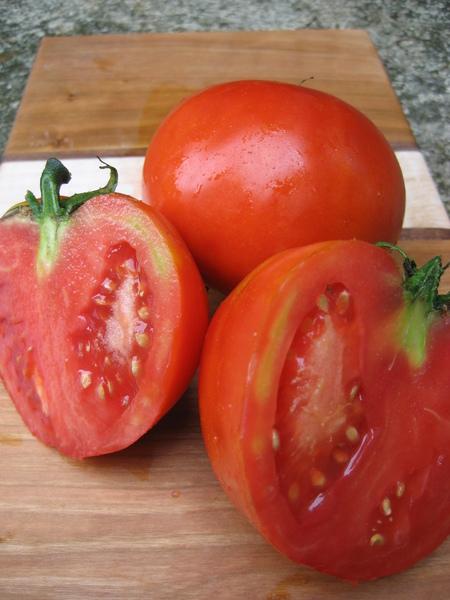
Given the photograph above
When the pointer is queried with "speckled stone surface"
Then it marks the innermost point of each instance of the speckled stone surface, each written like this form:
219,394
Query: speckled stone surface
412,38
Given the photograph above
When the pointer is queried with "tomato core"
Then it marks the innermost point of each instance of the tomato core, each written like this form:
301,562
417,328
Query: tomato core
320,422
113,335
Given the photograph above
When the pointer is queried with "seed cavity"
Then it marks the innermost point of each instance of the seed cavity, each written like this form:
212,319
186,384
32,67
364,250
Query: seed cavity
400,489
85,379
352,434
386,507
142,339
275,439
377,539
112,334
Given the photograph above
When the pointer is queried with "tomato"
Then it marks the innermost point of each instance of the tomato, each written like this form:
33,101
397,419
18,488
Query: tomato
249,168
102,316
325,408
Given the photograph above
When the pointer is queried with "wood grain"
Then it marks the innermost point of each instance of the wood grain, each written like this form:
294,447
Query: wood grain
107,94
152,522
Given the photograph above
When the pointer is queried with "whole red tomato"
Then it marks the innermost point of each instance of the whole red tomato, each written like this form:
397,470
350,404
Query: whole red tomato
249,168
325,407
102,316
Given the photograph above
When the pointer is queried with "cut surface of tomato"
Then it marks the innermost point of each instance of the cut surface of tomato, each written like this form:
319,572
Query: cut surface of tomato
101,332
325,419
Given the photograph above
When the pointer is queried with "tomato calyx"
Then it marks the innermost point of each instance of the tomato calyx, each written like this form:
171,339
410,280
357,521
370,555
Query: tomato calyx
51,212
54,175
423,303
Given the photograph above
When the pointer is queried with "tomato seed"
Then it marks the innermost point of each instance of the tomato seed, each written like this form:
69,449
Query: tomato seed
377,540
400,489
100,299
340,456
322,303
318,479
101,391
386,507
109,284
143,312
343,302
142,339
354,391
85,379
294,492
352,434
275,439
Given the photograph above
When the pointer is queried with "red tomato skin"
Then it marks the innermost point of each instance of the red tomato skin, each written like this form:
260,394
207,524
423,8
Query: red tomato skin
49,307
237,423
247,169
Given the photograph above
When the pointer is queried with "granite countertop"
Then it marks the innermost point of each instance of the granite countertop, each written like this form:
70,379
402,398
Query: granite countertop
411,37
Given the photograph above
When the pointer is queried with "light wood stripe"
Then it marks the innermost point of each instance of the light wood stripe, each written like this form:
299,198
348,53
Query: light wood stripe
423,207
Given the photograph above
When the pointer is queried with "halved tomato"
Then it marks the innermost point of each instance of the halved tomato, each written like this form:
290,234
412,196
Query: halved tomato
325,407
102,316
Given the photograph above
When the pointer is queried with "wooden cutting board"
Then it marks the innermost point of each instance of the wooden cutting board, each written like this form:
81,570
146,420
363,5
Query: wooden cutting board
151,521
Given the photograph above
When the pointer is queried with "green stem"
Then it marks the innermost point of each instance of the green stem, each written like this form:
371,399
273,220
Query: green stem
53,213
423,303
53,177
77,200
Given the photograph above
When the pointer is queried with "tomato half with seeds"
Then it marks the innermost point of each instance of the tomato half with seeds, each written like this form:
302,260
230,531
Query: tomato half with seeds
102,316
325,407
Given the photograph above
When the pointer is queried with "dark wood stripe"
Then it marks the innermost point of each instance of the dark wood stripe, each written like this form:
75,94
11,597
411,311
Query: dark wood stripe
60,153
425,233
